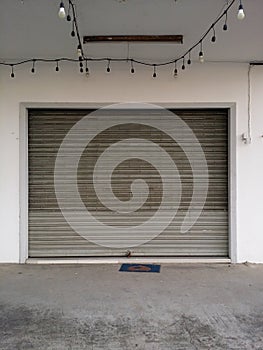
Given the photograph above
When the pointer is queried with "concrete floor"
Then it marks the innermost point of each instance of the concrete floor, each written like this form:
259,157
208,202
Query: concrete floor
95,307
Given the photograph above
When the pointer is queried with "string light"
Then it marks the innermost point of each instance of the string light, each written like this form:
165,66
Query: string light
86,68
108,67
68,16
12,75
154,71
73,30
75,33
189,61
81,67
132,67
225,24
175,70
201,54
241,14
183,65
33,67
213,39
79,51
61,12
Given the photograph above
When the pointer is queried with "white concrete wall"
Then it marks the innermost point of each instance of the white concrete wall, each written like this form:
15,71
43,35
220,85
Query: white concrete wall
202,83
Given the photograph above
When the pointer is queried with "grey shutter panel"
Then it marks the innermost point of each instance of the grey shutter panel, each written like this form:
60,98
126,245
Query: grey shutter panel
51,236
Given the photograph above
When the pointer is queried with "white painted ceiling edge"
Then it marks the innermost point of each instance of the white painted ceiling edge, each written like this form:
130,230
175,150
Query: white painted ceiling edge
31,28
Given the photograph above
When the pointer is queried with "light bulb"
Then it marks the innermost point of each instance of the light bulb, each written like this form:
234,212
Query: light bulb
175,70
108,67
154,71
33,67
12,75
225,24
241,14
61,12
201,57
132,67
86,68
213,39
79,52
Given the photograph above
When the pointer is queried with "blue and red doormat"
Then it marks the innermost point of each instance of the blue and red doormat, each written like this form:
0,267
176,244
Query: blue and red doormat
140,268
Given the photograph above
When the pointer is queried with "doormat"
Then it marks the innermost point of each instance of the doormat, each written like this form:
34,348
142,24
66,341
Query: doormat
140,268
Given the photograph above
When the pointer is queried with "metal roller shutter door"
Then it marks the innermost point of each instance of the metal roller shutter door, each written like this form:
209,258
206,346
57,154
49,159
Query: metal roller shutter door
50,235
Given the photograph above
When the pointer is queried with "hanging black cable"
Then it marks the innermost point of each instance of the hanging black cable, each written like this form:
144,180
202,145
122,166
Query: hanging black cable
76,26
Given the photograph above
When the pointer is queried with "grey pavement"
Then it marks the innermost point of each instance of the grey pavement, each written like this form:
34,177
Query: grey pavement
95,307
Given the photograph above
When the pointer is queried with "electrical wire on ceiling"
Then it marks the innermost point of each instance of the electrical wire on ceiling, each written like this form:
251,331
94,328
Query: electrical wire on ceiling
71,16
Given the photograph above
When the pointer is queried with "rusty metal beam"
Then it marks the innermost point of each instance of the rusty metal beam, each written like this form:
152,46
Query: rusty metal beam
133,38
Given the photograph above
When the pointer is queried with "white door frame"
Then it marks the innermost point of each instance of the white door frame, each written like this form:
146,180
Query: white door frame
23,169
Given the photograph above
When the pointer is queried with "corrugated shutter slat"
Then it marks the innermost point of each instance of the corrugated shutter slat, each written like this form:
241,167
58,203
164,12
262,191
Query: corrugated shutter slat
51,236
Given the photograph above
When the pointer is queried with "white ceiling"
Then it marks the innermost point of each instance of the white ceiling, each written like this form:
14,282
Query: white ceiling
31,28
